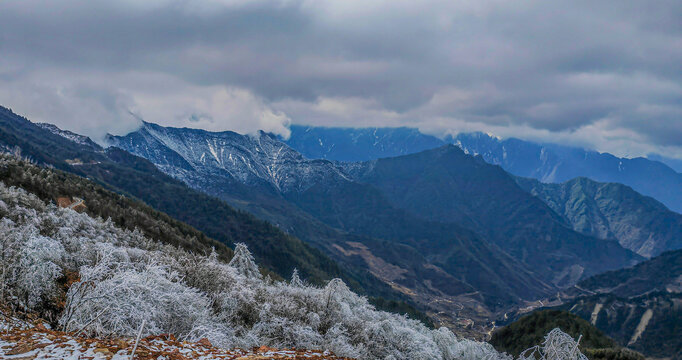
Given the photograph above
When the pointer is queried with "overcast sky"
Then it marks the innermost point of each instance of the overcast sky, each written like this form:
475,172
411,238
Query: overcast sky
605,75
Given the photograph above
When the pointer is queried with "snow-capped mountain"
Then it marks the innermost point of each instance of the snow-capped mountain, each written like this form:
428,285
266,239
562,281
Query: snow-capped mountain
256,159
393,217
77,138
358,144
355,197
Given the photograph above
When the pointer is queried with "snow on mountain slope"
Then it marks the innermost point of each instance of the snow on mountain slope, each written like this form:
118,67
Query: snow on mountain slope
358,144
249,159
78,139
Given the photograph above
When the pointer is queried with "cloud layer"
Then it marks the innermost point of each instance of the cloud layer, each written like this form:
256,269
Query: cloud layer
600,74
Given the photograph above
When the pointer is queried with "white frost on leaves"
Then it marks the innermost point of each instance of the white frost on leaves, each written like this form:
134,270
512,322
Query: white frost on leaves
243,262
557,346
38,268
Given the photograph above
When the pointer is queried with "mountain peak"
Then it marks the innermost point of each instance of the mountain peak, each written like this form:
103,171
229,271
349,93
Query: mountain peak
247,159
78,139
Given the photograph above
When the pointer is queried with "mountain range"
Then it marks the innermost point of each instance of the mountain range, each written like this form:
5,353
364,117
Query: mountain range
358,144
440,226
137,178
549,163
445,230
675,164
264,176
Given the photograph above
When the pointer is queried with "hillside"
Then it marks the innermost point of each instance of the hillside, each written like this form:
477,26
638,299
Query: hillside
136,177
649,324
435,264
551,163
612,211
447,185
531,329
436,261
87,276
659,274
639,307
50,185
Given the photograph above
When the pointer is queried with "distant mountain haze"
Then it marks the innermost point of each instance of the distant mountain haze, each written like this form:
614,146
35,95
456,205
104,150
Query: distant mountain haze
549,163
554,163
675,164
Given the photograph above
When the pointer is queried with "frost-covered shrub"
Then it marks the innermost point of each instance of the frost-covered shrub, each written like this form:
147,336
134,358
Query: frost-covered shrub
118,304
337,340
557,346
218,333
206,273
457,348
30,264
38,269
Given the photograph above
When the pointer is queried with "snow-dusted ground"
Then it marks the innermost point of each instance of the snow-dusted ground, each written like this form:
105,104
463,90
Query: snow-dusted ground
21,340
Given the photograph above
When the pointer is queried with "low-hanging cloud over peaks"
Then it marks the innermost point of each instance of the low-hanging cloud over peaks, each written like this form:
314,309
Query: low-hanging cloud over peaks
599,74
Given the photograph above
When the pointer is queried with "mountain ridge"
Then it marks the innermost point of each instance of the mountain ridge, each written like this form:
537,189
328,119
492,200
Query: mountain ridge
638,306
138,178
545,162
552,163
445,184
293,199
611,210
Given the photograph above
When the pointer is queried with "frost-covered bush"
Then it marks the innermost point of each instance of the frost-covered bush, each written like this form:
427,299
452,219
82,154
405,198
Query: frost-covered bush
557,346
119,302
38,269
30,262
125,279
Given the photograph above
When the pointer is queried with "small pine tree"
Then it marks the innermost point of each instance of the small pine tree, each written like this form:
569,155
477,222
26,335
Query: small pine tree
295,279
243,262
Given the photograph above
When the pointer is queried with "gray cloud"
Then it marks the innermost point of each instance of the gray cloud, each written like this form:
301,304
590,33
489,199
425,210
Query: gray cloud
600,73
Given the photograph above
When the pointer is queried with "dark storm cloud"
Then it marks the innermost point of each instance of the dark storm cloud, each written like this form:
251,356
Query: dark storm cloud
585,71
